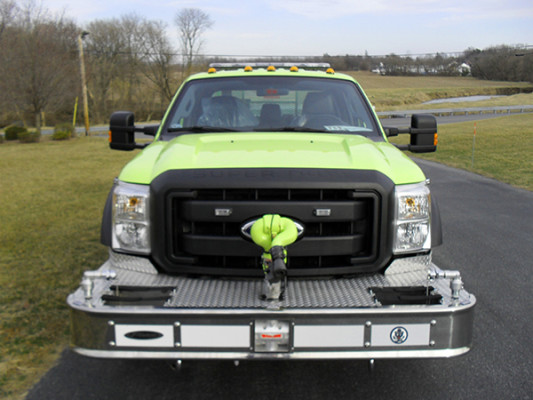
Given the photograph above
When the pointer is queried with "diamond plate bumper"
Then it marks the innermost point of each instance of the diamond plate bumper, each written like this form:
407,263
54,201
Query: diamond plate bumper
226,318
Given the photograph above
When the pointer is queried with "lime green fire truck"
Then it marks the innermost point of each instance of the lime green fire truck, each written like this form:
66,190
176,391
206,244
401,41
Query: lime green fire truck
271,218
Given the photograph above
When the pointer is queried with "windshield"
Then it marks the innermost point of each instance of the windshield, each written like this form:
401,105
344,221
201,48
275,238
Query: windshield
271,104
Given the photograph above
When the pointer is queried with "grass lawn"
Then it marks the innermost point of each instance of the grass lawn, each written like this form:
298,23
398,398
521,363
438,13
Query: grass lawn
52,196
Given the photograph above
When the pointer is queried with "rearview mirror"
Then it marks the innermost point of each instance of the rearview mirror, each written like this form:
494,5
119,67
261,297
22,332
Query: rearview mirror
423,133
122,131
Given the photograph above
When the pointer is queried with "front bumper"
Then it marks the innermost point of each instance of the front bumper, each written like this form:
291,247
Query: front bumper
225,318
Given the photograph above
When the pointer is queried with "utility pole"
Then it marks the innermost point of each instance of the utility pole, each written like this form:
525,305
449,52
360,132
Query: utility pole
81,36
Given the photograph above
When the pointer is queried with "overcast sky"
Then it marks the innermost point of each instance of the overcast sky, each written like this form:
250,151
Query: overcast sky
336,27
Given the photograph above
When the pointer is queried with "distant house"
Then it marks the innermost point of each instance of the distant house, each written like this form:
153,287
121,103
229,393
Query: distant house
379,70
464,69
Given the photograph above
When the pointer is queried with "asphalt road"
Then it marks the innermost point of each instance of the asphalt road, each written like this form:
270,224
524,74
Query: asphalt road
445,119
488,235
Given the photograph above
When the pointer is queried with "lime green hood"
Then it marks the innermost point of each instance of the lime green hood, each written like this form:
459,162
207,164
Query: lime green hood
274,150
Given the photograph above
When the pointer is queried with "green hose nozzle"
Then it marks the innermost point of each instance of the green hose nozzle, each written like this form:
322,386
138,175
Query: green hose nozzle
273,233
273,230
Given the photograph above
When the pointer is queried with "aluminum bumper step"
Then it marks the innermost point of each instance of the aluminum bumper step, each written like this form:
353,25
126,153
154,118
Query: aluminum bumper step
226,318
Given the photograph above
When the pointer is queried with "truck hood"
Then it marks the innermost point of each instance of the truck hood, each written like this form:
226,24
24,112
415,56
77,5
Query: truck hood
267,150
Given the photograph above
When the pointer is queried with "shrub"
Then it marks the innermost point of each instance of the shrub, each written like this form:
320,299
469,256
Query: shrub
63,131
1,138
29,137
13,132
61,135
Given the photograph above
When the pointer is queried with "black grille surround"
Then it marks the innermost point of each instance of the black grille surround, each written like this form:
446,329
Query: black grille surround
188,237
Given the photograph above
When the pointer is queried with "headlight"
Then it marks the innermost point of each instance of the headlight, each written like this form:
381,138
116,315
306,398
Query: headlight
131,218
412,219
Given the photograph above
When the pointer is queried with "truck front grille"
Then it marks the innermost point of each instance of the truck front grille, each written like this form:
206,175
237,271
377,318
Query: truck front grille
205,229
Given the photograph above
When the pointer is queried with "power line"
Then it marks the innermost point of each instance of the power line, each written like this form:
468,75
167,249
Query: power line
300,57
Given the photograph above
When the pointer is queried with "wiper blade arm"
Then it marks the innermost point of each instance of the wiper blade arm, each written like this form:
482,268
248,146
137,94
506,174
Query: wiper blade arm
300,129
291,129
201,129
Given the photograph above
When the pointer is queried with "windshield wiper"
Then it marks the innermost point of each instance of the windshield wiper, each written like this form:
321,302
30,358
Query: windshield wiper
298,129
201,129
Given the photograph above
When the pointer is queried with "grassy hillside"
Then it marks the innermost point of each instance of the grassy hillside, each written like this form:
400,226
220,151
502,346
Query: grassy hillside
400,92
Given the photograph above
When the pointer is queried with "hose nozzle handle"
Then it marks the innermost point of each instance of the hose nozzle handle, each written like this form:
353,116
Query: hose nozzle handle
278,269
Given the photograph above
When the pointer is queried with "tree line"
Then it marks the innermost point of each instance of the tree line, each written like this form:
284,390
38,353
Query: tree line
504,63
132,64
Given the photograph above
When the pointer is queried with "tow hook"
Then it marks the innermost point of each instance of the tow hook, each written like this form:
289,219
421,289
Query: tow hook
87,282
456,283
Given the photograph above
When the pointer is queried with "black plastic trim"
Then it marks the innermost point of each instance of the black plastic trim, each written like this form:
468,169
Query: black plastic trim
406,295
436,224
105,227
183,183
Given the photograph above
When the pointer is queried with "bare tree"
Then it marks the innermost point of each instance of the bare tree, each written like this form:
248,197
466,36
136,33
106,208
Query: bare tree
192,23
38,62
131,31
157,56
121,55
7,11
105,49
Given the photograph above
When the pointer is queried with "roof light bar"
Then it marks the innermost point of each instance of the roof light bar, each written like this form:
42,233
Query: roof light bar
288,65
